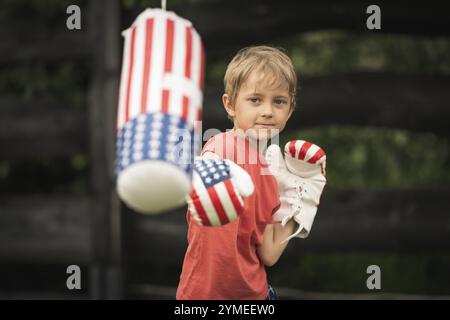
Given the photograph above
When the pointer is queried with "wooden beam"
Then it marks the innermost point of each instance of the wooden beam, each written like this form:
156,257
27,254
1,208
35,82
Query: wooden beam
256,22
417,103
41,128
38,40
359,220
57,229
45,229
104,27
408,220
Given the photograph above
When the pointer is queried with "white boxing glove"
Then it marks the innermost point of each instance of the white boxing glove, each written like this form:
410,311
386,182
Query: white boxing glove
301,179
218,188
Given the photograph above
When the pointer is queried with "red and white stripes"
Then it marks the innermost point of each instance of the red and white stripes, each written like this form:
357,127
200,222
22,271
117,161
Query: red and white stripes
306,151
217,205
162,68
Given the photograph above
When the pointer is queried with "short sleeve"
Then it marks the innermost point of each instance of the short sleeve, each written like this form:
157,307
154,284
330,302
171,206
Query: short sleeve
210,147
216,145
272,201
267,200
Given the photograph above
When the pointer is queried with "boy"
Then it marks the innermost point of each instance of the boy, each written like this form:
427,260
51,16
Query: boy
228,262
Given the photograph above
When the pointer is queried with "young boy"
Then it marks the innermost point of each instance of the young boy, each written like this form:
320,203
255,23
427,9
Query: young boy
228,262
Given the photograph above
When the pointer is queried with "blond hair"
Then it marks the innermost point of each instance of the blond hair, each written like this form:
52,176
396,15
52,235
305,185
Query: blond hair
264,59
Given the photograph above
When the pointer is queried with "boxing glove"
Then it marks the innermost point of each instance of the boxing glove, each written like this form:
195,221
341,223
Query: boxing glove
301,178
218,189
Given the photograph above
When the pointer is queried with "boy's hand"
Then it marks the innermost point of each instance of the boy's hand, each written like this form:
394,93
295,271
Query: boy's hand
301,179
218,188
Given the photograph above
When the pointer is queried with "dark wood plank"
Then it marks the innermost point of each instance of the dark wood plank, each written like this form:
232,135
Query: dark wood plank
104,26
417,103
37,39
360,220
256,22
45,229
252,23
409,220
41,128
58,229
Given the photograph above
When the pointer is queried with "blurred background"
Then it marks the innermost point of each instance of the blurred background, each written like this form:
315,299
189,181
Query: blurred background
378,102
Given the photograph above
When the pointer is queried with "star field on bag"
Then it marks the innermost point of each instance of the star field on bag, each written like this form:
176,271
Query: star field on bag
155,136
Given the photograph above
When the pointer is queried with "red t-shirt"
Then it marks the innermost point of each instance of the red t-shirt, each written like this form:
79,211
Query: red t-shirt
221,263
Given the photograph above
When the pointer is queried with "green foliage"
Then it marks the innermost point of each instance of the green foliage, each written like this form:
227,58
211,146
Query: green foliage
321,53
63,81
365,157
324,52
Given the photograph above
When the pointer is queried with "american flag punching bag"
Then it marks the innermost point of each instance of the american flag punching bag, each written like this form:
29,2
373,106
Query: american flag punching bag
160,98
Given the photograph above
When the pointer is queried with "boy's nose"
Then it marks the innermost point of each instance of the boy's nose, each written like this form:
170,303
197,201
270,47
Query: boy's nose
266,110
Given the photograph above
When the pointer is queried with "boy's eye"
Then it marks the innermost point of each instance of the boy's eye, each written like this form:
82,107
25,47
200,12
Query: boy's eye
280,101
254,99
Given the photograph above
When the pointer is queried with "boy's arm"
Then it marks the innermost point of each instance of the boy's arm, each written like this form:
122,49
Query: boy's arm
272,247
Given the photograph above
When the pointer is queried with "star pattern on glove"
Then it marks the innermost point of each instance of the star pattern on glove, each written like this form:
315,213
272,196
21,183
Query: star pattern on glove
212,171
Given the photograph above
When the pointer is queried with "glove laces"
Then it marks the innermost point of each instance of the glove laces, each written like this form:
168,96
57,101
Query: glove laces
296,208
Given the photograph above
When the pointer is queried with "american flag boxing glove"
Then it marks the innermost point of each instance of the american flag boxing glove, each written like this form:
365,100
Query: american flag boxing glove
218,188
301,179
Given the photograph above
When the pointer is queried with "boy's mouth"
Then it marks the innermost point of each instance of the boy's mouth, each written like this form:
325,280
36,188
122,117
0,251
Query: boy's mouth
268,127
264,125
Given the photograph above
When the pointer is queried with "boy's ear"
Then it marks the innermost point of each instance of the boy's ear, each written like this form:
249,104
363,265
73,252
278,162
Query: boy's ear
227,105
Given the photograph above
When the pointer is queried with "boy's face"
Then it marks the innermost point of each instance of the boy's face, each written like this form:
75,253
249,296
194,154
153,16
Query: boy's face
261,108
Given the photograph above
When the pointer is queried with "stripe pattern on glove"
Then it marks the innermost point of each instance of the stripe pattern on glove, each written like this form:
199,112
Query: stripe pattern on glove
214,201
306,151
